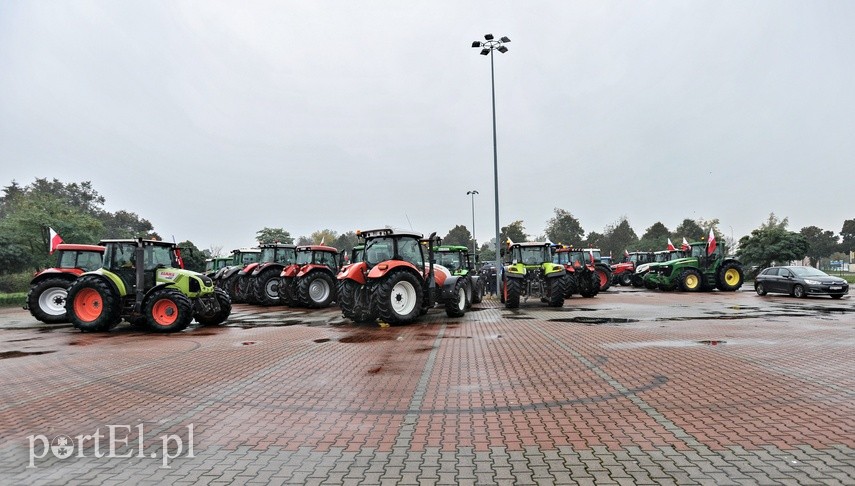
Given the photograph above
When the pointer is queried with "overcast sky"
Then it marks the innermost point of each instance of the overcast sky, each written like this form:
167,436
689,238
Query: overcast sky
216,119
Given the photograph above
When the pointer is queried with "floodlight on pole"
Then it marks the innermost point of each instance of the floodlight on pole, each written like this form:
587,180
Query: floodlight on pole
487,46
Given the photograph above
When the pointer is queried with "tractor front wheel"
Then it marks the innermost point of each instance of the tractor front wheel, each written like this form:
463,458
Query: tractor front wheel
457,304
218,318
690,280
352,301
478,291
398,297
604,274
589,284
316,290
168,310
46,300
625,279
513,290
92,305
267,287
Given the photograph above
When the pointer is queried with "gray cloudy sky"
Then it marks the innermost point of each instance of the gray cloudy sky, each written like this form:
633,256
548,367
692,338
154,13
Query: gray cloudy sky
215,119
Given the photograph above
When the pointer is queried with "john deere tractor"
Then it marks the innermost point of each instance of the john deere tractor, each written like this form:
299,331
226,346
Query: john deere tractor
397,281
642,271
140,281
700,270
530,273
49,287
582,276
456,259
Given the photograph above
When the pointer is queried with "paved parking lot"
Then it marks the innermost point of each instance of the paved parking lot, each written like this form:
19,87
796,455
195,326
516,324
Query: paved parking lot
631,387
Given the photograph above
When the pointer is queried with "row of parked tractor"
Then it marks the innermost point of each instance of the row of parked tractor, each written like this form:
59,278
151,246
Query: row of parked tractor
392,275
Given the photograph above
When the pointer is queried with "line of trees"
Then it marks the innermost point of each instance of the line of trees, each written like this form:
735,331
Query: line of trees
75,211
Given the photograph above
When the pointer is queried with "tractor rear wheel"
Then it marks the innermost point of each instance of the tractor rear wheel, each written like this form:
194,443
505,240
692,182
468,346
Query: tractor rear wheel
457,304
92,305
589,284
513,288
398,297
225,310
267,287
168,310
729,277
557,289
637,280
625,279
287,291
570,285
353,302
46,300
690,280
316,290
241,289
478,291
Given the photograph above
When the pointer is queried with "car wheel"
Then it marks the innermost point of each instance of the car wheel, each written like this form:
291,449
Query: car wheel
798,291
760,289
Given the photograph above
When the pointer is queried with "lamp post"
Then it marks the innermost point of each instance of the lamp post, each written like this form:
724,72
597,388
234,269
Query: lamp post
474,243
488,45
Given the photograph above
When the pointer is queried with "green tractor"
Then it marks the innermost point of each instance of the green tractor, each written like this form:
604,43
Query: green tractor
456,259
226,277
699,271
141,281
213,265
529,272
639,279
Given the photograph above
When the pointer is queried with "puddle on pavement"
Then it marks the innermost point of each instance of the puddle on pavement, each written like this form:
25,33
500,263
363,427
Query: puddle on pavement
367,337
711,342
594,320
322,340
424,349
516,317
22,340
18,354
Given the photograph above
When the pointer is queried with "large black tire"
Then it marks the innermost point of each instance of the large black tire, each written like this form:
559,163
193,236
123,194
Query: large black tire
267,287
168,310
760,288
228,284
457,305
46,300
604,273
570,285
398,297
92,304
225,310
625,279
353,301
287,292
557,289
514,289
650,285
240,288
316,290
730,277
799,292
478,290
690,280
637,280
252,290
589,284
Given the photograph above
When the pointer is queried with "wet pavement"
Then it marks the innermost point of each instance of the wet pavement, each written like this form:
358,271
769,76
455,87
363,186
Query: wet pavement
630,387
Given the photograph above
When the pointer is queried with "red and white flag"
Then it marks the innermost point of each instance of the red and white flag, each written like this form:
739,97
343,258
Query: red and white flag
671,246
592,256
711,243
55,240
625,252
685,245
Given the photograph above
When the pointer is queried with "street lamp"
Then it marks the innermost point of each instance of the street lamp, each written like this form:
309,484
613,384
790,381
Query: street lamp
488,45
474,243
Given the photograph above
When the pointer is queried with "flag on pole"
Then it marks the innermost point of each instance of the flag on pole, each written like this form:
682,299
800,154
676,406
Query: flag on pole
671,246
55,240
591,252
711,243
685,245
625,252
323,238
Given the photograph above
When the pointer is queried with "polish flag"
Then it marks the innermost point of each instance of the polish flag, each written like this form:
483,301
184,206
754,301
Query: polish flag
592,256
685,245
711,243
625,252
671,246
55,240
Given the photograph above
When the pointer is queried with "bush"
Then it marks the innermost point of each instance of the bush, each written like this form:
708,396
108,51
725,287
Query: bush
9,300
15,282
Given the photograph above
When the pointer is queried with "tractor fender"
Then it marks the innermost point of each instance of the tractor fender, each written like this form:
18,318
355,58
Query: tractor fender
381,269
68,273
514,271
289,271
229,271
552,270
247,270
264,266
305,269
355,272
514,275
219,273
448,287
153,290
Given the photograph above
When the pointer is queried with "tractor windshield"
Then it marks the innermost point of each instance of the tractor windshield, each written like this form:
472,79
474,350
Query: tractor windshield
159,257
304,257
285,256
379,250
451,260
356,254
561,257
661,257
85,260
326,258
531,255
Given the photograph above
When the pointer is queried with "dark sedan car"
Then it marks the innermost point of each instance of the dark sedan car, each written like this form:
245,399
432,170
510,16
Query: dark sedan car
799,282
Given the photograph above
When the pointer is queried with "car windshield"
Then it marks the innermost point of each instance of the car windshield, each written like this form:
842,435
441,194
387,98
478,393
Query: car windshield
808,272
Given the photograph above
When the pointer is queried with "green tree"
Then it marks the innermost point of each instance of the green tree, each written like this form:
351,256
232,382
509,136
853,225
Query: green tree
459,235
487,253
564,228
515,232
274,235
194,259
327,236
821,243
771,243
690,230
617,237
346,241
655,238
305,240
594,240
124,224
848,236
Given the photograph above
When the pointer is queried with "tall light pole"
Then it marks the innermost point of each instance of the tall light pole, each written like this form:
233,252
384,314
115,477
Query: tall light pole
474,243
488,45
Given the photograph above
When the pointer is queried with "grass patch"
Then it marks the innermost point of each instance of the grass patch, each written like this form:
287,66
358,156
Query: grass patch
13,300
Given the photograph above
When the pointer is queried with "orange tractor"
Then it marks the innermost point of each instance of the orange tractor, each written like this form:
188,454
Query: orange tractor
311,280
582,276
49,287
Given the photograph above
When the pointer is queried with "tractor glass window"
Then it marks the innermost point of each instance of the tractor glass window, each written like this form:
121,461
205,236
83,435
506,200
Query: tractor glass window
379,250
561,258
449,260
356,255
66,259
326,258
247,258
267,254
286,256
531,255
410,250
699,251
158,256
304,257
120,255
88,260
